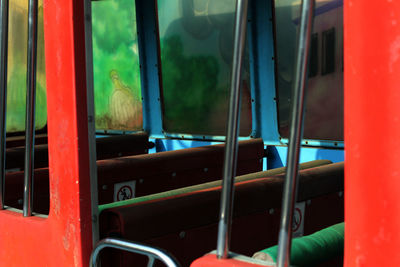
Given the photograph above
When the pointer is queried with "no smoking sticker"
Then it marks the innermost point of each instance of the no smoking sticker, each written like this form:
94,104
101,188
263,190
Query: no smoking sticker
298,219
124,191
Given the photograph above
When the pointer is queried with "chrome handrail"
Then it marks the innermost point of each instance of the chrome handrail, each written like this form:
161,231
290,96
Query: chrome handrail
232,132
151,252
3,94
30,107
296,133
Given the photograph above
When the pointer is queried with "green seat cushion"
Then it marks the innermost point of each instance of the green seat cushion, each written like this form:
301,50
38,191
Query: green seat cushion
316,248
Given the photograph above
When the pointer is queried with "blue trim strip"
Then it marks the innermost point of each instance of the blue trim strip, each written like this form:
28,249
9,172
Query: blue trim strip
146,20
171,144
212,138
309,154
318,143
265,117
250,44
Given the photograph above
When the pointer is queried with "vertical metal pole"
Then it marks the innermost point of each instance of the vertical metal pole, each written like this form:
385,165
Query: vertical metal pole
91,121
3,94
296,133
30,107
231,145
151,261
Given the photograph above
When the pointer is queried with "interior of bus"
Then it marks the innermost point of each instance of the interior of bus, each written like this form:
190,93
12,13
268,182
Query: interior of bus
161,82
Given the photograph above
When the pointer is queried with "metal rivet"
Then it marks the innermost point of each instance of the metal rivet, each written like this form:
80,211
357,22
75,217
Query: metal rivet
308,202
104,187
173,174
340,193
271,211
141,181
20,201
205,169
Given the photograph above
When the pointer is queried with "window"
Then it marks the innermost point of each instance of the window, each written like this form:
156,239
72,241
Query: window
313,63
196,40
116,67
17,57
328,51
324,104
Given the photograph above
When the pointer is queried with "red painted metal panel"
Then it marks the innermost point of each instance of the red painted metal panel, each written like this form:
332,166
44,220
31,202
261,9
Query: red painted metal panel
372,130
210,260
64,238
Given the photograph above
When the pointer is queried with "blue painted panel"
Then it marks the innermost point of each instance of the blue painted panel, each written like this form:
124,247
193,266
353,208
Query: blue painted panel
146,19
265,123
174,144
278,155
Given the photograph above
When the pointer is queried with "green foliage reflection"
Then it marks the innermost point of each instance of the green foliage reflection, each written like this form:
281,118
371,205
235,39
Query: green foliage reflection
116,66
188,85
17,67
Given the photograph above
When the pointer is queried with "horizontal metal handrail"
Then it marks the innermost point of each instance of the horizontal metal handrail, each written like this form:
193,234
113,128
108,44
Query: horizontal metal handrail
151,252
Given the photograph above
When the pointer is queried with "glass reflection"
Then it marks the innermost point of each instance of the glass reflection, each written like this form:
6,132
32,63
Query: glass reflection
196,41
324,109
116,69
17,60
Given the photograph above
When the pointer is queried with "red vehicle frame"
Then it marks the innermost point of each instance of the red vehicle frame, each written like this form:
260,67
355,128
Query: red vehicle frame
65,236
372,185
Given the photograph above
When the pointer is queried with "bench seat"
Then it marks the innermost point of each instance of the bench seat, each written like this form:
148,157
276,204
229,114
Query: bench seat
187,218
151,173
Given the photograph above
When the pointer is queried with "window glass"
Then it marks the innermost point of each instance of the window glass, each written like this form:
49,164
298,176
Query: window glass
17,61
328,51
116,68
324,108
196,43
313,69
